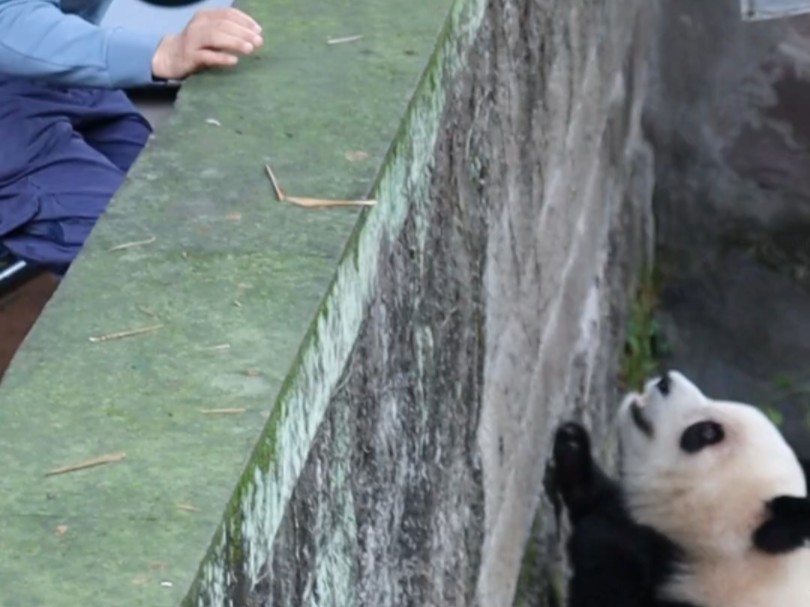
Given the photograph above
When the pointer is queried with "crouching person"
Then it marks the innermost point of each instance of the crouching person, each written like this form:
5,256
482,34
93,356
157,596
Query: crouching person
68,134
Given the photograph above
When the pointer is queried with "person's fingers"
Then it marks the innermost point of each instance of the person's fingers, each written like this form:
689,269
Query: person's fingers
209,58
229,28
218,40
213,38
230,14
243,19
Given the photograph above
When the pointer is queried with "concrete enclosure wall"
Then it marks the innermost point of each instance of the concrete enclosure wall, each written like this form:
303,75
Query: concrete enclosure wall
519,223
341,406
728,116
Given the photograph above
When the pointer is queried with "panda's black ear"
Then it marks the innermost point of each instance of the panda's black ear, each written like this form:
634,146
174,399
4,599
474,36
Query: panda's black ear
788,527
805,463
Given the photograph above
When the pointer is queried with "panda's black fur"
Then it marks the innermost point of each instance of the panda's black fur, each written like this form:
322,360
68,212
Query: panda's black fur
617,562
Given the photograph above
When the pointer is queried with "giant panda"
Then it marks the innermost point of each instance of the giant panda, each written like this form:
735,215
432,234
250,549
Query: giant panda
710,508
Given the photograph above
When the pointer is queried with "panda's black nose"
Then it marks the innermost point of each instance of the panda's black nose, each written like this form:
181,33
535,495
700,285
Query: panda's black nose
664,384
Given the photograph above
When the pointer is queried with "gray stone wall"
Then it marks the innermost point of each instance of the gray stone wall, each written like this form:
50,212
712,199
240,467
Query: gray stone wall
482,335
570,232
498,309
729,116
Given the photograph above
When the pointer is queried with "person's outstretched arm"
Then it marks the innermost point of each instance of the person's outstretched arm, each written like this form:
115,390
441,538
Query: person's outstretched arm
39,41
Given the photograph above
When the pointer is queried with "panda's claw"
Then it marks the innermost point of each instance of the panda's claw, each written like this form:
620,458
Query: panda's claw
572,449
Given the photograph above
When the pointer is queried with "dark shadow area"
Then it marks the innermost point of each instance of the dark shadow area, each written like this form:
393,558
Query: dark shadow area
18,312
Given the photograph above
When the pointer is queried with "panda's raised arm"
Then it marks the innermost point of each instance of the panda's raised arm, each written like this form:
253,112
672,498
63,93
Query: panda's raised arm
615,561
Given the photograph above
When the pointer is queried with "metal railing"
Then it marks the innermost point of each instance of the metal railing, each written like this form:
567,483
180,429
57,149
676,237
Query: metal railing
760,10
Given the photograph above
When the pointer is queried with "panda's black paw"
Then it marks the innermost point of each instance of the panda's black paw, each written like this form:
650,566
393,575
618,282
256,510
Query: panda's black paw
572,465
572,451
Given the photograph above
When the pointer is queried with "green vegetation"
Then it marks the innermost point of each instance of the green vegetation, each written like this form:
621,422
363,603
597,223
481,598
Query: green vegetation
643,344
542,580
773,413
789,390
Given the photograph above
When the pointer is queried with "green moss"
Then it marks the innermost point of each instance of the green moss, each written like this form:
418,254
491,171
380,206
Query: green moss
788,389
784,381
556,594
328,330
773,413
202,193
643,346
531,570
542,580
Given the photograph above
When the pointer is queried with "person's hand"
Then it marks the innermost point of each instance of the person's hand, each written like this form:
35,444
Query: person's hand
213,38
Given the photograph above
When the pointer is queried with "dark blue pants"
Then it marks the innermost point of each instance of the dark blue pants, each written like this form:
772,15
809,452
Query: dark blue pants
63,154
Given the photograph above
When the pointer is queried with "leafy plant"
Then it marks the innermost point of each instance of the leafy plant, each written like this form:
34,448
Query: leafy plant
642,346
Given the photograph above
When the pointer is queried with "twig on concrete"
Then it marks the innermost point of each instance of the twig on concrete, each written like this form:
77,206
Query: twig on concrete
90,463
187,508
134,243
217,347
356,155
343,40
274,181
225,411
330,202
147,311
313,202
122,334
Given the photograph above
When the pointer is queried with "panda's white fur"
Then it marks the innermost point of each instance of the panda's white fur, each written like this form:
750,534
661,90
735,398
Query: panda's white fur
710,502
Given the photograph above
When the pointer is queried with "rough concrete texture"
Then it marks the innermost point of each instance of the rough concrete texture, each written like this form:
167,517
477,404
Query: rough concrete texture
402,368
233,277
728,117
497,308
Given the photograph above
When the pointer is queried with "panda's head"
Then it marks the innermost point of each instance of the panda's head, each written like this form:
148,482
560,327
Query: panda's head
701,471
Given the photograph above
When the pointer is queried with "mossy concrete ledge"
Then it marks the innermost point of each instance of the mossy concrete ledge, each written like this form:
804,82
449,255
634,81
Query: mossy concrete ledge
333,406
252,309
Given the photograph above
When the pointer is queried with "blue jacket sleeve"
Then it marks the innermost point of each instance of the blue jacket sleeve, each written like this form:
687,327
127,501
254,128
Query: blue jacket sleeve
38,40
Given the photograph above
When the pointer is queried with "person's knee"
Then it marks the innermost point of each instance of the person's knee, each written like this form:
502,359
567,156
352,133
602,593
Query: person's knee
55,207
136,131
121,140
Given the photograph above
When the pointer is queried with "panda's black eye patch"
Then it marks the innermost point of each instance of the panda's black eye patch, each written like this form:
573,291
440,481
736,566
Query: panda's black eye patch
700,435
664,384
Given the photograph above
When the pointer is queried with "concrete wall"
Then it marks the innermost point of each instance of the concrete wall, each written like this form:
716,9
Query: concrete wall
728,115
496,308
412,359
341,406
